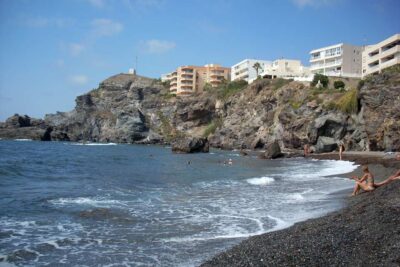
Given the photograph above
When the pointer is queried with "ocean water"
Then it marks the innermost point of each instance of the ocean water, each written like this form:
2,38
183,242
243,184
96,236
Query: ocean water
68,204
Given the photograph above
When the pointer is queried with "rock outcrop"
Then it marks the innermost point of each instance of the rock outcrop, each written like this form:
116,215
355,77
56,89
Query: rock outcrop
127,108
273,151
24,127
190,145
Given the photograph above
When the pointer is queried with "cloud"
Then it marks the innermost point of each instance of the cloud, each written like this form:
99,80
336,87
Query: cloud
141,5
313,3
209,27
75,49
60,63
42,22
106,27
79,79
133,5
97,3
157,46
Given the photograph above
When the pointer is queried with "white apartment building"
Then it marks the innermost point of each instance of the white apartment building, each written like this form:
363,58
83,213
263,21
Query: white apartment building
287,69
379,56
244,70
341,60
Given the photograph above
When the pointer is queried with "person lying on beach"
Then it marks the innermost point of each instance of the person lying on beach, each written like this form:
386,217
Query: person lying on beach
391,178
366,182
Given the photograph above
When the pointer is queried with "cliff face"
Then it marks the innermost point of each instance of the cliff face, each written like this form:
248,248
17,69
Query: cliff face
133,109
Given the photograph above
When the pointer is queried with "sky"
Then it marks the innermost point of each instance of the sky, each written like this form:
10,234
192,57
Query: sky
52,51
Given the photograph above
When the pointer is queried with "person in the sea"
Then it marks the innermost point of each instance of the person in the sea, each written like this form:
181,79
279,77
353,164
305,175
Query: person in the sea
366,182
306,150
395,176
341,150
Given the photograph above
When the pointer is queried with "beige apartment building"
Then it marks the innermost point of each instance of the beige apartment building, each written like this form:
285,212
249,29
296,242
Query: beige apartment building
340,60
379,56
192,79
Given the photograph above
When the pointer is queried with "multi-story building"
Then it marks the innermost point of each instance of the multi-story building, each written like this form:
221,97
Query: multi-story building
287,69
192,79
379,56
342,60
244,70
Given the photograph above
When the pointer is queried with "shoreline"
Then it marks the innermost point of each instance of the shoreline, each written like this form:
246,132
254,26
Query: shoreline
365,232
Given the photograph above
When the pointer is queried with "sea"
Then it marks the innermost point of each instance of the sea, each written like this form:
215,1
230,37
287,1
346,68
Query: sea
74,204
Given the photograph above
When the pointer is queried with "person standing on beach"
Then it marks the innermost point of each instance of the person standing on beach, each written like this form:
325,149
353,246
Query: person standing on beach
341,150
366,182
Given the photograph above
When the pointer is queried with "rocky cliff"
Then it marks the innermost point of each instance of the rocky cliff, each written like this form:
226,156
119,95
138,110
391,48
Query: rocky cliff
128,108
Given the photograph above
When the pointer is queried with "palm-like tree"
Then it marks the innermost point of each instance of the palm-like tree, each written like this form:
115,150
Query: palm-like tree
257,67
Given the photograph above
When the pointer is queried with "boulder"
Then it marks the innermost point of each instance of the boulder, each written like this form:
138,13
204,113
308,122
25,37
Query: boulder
190,145
325,144
273,151
17,121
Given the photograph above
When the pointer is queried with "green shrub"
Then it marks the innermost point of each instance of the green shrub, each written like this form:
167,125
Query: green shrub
207,87
169,96
360,84
348,103
227,89
295,104
338,84
322,78
212,127
330,105
279,82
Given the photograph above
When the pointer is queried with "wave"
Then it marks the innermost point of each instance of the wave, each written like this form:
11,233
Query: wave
23,140
96,202
94,144
280,224
337,167
324,169
261,180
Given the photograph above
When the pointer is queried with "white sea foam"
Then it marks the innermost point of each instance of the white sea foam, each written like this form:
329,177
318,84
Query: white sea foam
327,168
94,144
261,180
96,202
280,224
296,197
22,140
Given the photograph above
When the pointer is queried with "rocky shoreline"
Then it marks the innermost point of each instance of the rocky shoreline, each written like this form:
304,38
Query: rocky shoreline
364,233
127,108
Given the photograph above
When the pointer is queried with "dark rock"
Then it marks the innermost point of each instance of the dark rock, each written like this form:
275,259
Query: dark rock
18,121
325,144
190,145
273,151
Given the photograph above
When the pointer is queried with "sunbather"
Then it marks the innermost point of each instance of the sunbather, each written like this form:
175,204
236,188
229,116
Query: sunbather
391,178
366,182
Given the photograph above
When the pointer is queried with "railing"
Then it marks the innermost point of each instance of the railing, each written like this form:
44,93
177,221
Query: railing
390,51
333,63
390,62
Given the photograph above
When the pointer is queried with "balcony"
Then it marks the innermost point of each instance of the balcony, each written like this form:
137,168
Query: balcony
187,72
317,66
333,63
393,50
187,69
187,77
390,62
316,59
216,75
